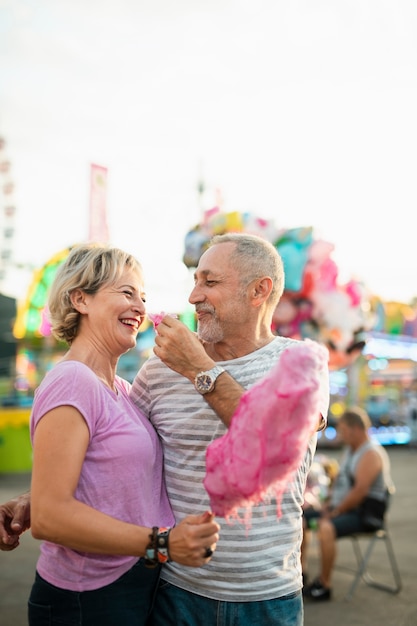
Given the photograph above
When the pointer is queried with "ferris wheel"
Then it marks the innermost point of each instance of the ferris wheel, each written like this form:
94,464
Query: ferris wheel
7,214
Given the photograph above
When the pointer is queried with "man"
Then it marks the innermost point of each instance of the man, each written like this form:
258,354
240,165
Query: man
255,574
363,478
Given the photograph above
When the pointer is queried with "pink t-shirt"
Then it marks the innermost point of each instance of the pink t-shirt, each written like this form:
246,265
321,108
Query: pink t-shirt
122,473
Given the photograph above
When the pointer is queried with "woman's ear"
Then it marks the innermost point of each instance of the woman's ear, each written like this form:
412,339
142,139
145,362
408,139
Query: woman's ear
78,300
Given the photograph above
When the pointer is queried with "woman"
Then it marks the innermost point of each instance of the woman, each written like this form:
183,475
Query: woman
98,496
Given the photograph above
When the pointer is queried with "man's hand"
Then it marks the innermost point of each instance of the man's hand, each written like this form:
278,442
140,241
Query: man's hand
322,423
14,520
180,349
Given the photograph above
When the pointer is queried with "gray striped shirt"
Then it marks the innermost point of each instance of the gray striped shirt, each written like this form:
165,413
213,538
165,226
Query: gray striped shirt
257,563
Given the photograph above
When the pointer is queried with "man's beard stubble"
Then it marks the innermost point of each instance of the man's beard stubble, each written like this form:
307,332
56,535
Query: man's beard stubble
210,330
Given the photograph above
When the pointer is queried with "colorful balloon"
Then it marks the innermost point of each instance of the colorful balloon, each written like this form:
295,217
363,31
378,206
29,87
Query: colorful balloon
314,304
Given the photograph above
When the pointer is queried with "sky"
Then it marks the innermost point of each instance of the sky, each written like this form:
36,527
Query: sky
300,111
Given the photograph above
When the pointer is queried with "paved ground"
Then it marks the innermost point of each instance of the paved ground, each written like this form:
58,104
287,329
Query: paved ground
368,606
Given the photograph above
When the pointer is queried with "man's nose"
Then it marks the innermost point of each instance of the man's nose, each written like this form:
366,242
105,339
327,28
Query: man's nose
196,295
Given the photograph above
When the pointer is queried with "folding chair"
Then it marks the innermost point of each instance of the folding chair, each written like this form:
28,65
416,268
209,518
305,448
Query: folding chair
363,557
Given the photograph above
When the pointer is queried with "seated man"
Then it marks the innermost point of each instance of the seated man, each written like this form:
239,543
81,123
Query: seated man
362,486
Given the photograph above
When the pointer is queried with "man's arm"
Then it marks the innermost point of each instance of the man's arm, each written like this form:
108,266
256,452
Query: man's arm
181,350
14,520
225,397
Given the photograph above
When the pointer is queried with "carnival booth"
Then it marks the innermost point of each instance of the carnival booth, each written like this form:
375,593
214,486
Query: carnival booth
385,377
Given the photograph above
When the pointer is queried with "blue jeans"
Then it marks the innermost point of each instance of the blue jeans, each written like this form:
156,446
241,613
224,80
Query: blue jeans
345,524
176,607
126,602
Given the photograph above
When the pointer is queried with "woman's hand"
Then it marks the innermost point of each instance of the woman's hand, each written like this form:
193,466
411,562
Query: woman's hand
193,541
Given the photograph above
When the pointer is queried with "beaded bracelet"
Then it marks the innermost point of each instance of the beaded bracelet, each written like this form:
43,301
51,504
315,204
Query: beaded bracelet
157,549
162,545
151,558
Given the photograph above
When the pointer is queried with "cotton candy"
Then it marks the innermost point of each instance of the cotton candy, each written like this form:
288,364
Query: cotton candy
268,435
156,318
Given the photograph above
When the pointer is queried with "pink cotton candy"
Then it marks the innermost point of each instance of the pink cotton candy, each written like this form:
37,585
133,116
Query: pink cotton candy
269,434
156,318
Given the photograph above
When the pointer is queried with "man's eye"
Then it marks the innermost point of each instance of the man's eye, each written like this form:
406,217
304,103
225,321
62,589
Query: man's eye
210,283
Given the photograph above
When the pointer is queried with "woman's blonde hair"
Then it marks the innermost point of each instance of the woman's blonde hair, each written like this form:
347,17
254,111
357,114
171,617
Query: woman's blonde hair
88,267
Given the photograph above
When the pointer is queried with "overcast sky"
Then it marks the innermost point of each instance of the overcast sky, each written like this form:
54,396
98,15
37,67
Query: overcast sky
301,111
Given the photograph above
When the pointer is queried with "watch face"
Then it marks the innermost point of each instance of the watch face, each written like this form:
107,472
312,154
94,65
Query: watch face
204,383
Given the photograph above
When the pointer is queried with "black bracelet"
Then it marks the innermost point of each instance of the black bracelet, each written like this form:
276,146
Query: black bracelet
151,553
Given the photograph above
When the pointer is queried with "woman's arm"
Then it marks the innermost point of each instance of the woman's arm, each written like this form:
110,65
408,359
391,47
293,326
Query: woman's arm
60,444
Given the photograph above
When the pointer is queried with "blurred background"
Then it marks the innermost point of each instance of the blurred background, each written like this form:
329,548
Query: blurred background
153,125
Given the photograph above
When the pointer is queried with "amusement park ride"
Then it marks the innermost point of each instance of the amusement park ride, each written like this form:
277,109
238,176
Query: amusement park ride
8,211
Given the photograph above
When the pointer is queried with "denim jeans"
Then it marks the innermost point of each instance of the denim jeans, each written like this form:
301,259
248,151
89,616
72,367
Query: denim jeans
345,524
126,602
176,607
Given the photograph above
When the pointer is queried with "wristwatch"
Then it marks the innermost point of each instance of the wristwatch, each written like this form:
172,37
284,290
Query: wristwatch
205,381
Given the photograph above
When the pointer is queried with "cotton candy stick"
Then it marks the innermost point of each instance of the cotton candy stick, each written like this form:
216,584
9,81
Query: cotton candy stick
269,434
